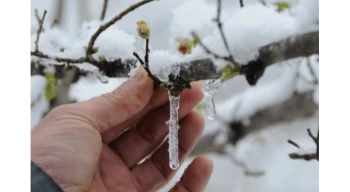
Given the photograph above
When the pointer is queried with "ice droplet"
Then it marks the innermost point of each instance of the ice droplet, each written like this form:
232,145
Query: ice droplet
209,90
173,126
103,78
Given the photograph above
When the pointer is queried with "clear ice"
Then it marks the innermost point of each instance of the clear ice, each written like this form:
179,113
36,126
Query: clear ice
173,125
209,90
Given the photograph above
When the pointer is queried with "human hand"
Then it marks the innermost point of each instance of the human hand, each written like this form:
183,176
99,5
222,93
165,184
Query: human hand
86,146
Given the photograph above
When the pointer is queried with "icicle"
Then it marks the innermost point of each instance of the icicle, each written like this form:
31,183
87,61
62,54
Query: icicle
173,126
209,90
101,77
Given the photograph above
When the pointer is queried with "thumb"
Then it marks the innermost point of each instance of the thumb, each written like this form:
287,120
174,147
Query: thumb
111,109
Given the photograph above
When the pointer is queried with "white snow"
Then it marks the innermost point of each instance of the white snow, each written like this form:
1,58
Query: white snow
184,21
37,84
253,99
248,29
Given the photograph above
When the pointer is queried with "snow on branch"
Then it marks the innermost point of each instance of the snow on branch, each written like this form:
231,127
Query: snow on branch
301,45
101,65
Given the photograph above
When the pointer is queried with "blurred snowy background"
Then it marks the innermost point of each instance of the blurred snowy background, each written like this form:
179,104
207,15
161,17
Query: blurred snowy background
281,106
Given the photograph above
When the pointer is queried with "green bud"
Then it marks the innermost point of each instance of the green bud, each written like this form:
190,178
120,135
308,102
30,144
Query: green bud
228,73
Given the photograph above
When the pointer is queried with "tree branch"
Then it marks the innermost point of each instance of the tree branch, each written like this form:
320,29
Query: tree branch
39,30
110,23
37,16
312,71
299,106
104,9
306,156
241,3
217,20
302,45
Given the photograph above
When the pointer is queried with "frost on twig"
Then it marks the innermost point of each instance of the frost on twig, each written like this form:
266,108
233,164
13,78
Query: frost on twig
306,154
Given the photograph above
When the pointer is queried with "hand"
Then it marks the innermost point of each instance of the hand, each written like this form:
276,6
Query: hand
86,146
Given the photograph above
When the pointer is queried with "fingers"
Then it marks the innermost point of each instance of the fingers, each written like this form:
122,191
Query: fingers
155,172
159,98
151,130
196,176
111,109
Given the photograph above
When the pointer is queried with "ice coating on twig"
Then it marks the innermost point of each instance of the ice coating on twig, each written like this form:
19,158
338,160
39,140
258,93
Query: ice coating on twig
209,90
173,126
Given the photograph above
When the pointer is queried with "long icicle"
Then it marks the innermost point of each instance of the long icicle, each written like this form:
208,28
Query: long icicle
174,127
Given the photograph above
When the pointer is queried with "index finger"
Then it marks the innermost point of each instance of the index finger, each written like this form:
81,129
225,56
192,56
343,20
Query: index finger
113,108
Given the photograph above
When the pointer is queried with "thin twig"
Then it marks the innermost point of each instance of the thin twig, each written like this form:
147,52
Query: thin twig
37,16
139,59
318,144
312,136
104,9
110,23
308,156
58,13
147,53
312,71
241,3
235,64
293,143
208,51
145,66
39,31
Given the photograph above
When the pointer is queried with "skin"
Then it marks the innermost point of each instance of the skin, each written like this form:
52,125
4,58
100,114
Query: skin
97,145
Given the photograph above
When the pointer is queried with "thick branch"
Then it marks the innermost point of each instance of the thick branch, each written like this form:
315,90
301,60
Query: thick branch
302,45
110,23
297,46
